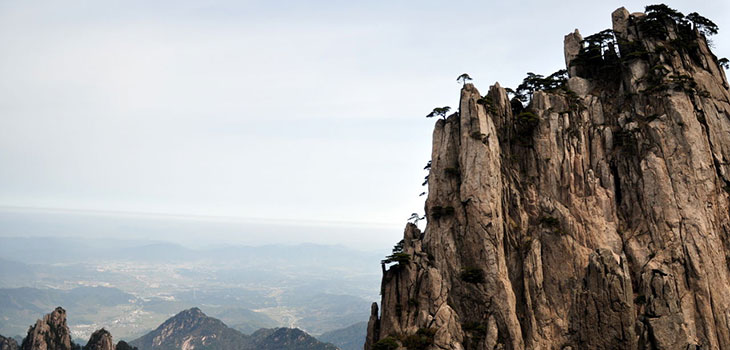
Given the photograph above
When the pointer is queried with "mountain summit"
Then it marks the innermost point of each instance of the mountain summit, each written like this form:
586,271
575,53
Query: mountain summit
100,340
51,332
192,329
591,212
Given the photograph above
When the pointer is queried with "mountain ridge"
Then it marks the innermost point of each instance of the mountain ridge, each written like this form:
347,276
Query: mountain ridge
189,329
351,337
192,329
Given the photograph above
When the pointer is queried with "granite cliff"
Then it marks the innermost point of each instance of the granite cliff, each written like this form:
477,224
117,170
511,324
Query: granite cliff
49,333
52,333
594,216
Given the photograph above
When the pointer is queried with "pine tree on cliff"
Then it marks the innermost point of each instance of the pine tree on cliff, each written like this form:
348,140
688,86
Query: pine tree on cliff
603,225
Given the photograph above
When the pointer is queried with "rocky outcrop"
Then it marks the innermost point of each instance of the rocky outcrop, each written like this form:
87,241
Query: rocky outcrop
373,330
122,345
596,218
100,340
8,343
49,333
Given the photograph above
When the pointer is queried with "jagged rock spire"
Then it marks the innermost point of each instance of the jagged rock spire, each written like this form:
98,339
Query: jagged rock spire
49,333
572,43
8,343
598,218
100,340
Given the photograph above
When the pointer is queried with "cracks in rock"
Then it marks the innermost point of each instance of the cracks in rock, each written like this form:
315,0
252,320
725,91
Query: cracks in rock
618,196
716,162
652,247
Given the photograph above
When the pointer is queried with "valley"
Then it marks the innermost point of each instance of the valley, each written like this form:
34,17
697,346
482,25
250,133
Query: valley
131,292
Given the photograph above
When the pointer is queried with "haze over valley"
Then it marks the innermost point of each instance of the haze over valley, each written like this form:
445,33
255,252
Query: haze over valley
130,286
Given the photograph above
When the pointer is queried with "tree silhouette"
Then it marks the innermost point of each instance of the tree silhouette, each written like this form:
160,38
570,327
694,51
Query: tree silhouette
702,24
397,256
510,93
724,63
415,218
601,42
536,82
463,78
663,12
657,18
439,112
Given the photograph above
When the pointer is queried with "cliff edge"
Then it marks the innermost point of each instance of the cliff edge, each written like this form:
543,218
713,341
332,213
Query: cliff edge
595,217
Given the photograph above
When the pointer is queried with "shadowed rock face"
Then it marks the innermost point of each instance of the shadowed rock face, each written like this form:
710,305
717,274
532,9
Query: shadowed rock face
100,340
122,345
8,343
49,333
603,226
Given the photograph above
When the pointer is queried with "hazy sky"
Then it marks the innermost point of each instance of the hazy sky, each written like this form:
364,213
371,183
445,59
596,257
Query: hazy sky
297,110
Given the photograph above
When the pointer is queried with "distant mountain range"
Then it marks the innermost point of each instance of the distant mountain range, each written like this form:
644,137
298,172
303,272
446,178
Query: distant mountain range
51,250
188,330
348,338
244,320
314,287
128,316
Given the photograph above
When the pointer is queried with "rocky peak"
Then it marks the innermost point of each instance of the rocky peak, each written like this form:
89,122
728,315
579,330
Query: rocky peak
190,315
595,217
572,44
122,345
49,333
187,319
100,340
191,329
8,343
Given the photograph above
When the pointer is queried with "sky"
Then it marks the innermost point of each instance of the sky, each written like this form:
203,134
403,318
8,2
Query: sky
275,111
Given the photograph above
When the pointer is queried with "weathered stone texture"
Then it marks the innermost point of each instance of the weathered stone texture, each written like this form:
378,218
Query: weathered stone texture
604,227
49,333
100,340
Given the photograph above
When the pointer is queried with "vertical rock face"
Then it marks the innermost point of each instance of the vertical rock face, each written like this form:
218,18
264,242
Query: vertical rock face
100,340
603,225
49,333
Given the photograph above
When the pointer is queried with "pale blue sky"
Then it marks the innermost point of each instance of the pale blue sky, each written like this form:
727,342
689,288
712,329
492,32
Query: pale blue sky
296,110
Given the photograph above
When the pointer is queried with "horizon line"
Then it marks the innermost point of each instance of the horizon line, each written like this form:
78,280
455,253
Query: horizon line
202,217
